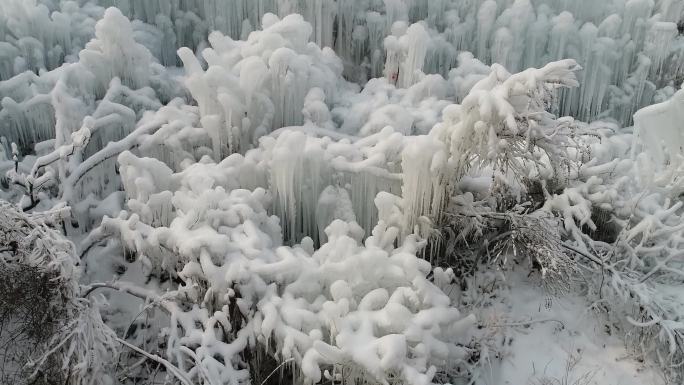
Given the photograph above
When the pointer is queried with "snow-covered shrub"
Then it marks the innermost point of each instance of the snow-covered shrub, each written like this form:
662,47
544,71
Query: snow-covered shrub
242,292
638,264
30,312
49,333
474,233
502,131
503,123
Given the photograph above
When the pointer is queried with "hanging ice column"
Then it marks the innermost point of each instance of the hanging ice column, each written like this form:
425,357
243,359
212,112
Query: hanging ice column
510,39
345,28
376,25
297,179
406,54
425,180
599,60
657,45
635,19
671,10
486,16
321,15
659,133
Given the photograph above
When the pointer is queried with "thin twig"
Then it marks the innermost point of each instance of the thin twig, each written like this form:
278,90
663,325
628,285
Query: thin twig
526,323
169,366
274,370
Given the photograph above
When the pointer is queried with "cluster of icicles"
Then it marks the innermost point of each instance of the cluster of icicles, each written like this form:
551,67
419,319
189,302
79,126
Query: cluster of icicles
631,51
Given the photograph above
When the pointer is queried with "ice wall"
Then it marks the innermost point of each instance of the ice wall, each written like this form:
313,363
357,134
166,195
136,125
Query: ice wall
606,39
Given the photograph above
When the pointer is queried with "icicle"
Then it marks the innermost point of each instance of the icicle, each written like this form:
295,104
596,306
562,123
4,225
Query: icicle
657,131
321,14
416,41
671,10
537,40
297,181
345,28
333,203
377,26
636,15
285,88
424,187
436,10
633,95
396,11
168,42
212,124
516,19
28,122
460,33
562,31
315,110
394,53
502,44
486,16
610,26
657,45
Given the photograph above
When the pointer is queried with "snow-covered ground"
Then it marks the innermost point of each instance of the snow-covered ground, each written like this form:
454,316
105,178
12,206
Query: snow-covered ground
546,339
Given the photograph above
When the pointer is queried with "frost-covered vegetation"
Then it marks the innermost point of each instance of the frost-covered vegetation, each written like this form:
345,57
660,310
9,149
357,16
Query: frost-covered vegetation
335,191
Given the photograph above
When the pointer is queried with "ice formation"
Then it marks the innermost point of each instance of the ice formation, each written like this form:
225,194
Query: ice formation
320,309
658,131
252,87
286,176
